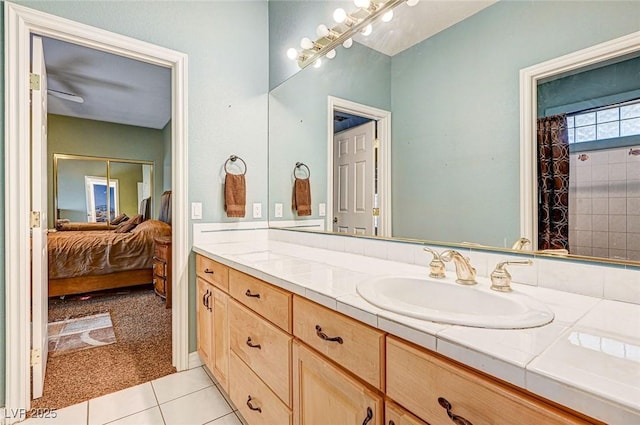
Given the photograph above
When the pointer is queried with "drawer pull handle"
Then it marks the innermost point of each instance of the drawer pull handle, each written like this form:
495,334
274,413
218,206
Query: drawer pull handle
391,422
369,416
458,420
250,406
324,336
252,345
209,293
249,294
209,271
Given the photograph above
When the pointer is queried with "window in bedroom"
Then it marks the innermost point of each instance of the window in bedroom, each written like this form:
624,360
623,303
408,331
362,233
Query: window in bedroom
96,188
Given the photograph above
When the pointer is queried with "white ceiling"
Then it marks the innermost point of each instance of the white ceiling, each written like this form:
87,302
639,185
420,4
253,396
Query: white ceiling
125,91
114,88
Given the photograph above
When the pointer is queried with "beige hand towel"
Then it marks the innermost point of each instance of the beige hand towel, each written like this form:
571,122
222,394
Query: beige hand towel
235,194
301,200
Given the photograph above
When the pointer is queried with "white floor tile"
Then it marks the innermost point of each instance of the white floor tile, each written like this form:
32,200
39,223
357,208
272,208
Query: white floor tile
230,419
72,415
197,408
120,404
146,417
179,384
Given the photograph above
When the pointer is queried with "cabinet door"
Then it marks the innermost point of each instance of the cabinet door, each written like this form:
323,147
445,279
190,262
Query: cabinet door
219,361
324,394
396,415
203,319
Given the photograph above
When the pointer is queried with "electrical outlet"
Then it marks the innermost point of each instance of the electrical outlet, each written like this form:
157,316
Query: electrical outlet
322,210
278,212
196,210
257,210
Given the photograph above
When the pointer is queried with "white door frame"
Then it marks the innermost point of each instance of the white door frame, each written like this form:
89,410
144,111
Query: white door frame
529,78
20,23
384,157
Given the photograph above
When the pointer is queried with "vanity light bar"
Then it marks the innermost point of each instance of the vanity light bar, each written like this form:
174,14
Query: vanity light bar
339,33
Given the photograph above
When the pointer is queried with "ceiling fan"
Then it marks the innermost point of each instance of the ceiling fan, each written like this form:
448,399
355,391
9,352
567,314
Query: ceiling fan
66,96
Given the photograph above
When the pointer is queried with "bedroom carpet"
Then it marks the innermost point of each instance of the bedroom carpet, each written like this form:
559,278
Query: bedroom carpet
80,333
141,352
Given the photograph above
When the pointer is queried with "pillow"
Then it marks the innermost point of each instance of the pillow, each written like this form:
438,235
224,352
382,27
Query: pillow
127,226
153,228
119,219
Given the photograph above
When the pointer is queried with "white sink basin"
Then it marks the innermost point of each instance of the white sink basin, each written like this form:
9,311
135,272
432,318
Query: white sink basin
452,303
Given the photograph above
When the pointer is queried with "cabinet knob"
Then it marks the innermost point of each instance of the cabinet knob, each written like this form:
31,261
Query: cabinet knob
249,294
324,336
250,406
458,420
369,416
252,345
391,422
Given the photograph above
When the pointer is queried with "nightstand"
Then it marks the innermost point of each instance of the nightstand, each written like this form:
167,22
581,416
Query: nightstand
162,268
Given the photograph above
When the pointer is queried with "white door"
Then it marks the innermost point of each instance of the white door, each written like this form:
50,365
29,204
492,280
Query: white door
39,267
353,180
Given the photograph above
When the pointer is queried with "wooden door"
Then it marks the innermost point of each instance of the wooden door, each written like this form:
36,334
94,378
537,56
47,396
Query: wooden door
219,360
39,257
324,394
204,320
353,180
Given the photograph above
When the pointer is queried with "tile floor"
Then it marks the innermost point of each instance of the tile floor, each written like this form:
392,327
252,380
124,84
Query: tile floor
185,398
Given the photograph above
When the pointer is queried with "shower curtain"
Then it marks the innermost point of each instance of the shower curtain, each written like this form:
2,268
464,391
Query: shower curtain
553,183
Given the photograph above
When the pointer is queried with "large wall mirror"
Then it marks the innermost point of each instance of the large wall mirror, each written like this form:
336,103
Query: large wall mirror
454,99
96,190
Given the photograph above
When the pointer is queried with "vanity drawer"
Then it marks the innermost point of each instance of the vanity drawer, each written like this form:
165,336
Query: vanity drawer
263,347
396,415
355,346
257,404
213,272
417,380
270,302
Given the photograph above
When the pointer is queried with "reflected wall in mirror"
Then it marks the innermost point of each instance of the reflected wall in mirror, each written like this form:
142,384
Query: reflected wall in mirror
80,188
455,155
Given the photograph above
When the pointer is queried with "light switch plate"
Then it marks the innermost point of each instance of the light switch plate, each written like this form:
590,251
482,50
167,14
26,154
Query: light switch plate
196,210
257,210
322,210
278,210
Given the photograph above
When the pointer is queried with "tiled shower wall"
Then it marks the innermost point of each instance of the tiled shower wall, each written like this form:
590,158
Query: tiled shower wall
604,204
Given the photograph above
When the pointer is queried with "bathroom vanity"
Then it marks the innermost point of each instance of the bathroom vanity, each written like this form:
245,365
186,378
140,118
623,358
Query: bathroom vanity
282,328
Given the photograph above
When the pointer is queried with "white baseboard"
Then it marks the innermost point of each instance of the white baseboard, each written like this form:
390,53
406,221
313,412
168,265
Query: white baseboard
194,360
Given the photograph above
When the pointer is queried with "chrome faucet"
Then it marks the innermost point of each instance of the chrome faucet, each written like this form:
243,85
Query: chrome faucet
464,271
436,266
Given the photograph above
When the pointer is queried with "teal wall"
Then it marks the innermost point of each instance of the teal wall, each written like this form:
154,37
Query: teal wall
456,112
227,89
75,136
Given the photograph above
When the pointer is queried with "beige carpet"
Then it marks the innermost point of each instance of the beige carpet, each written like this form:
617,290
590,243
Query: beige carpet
141,353
80,333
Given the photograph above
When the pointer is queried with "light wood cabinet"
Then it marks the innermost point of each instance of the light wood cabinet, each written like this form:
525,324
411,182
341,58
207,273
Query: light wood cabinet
355,346
396,415
213,272
263,347
203,320
324,394
438,390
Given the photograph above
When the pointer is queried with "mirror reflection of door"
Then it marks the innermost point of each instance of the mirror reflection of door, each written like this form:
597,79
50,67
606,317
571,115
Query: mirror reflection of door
97,202
602,107
354,171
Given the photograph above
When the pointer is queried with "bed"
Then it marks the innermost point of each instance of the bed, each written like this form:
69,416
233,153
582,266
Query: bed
85,261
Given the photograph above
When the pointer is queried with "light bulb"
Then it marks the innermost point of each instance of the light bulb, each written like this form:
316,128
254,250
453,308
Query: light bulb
387,16
362,3
331,53
317,63
347,43
339,15
412,2
322,30
367,30
292,53
306,43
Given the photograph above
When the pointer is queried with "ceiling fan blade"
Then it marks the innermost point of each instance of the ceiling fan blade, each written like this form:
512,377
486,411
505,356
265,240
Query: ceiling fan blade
66,96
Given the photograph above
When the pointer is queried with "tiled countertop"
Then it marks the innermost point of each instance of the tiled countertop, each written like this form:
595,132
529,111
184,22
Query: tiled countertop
588,358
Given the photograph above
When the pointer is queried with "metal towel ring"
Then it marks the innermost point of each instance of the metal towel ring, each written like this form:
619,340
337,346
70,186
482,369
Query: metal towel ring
297,167
233,158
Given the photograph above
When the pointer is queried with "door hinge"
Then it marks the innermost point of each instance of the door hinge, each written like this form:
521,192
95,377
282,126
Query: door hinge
376,143
35,357
376,212
35,219
34,81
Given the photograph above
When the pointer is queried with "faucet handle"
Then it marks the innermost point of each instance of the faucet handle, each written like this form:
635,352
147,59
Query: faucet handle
500,276
436,266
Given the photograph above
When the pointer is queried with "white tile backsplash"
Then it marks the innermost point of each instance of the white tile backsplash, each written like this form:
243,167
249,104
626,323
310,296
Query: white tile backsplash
572,276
